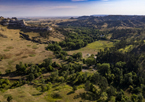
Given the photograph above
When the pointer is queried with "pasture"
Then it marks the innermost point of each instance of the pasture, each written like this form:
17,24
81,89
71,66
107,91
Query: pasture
94,47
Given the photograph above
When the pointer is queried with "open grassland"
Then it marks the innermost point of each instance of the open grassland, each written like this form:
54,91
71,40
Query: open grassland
59,92
15,49
99,45
28,93
93,48
24,93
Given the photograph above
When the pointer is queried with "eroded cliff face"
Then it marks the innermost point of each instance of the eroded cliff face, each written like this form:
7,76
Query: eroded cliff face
21,23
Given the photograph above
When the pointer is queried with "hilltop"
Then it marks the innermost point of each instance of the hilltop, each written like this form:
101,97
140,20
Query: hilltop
22,42
110,21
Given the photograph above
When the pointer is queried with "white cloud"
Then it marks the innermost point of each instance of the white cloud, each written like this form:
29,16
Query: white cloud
74,8
105,0
62,7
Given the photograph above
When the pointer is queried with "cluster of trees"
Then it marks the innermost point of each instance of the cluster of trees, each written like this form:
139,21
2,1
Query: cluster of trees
54,47
4,84
90,61
121,71
75,57
7,84
64,73
33,71
80,37
63,54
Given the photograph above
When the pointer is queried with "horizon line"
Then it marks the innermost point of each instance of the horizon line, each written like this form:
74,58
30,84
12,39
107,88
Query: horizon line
73,16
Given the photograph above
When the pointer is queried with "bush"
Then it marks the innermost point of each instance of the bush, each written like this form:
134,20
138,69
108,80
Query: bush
44,88
54,47
74,88
56,96
9,98
7,71
70,59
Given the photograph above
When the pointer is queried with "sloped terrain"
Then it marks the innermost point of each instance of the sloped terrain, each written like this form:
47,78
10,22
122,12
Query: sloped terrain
14,48
97,59
112,21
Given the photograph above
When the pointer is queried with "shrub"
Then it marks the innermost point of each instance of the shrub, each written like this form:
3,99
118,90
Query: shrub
9,98
7,71
56,95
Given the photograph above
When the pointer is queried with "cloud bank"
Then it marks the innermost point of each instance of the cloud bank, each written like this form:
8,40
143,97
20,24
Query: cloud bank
71,7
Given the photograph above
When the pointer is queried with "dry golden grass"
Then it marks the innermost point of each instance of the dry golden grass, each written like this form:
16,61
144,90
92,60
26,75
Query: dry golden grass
24,93
28,93
16,49
65,91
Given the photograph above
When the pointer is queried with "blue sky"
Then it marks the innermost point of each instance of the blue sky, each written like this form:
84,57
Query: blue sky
27,8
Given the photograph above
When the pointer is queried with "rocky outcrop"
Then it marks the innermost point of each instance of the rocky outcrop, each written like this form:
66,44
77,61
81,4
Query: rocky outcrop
13,22
21,23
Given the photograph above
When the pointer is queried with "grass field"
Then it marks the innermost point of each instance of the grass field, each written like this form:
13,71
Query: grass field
24,93
93,48
99,45
28,93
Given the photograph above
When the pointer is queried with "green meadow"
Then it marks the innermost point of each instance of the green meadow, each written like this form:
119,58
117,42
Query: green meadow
94,47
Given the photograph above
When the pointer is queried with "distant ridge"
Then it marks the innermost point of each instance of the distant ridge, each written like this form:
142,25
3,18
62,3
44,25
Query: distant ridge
107,21
113,17
99,15
53,18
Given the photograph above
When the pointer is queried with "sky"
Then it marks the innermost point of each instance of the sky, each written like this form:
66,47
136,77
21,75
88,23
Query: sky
53,8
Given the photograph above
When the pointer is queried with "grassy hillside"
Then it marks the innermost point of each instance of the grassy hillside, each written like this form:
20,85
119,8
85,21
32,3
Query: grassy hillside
15,49
31,94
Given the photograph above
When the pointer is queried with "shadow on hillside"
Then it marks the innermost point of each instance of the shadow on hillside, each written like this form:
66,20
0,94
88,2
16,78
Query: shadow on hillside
23,29
87,96
43,34
37,94
71,92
